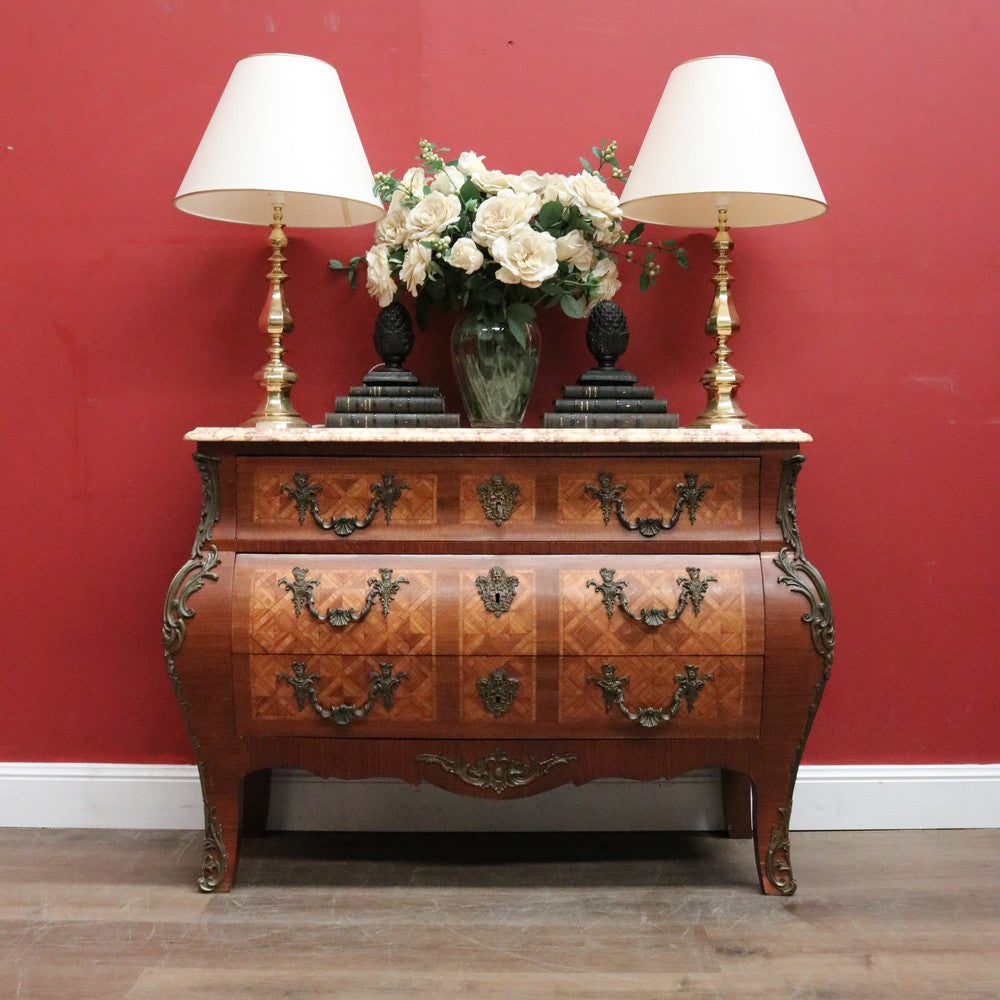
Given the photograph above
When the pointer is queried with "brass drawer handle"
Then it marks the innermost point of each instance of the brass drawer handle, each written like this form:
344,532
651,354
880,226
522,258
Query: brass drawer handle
383,688
693,588
689,497
385,496
383,588
689,685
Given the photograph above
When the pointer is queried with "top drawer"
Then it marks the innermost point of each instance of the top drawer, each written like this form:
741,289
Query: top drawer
330,504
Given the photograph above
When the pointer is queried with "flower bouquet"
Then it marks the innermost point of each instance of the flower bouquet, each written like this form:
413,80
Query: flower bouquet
498,247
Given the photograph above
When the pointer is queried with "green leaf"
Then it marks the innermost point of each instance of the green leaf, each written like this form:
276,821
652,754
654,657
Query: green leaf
337,265
522,312
435,290
469,193
550,216
585,163
352,277
643,281
492,295
517,329
572,306
637,231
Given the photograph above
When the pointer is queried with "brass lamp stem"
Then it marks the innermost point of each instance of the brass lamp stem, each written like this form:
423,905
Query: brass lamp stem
722,380
276,378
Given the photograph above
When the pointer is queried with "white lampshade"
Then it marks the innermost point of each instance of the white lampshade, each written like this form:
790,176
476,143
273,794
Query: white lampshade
722,137
282,133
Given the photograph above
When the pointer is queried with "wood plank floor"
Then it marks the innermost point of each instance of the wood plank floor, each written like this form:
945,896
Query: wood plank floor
114,914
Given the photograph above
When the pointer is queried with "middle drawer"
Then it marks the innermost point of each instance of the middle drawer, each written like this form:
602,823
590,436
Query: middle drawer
482,605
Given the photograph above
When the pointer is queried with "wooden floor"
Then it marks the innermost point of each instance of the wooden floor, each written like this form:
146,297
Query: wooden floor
112,914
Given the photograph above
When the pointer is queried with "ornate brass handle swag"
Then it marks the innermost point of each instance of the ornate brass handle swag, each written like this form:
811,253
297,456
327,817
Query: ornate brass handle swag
612,591
385,495
497,771
689,685
689,497
383,588
383,687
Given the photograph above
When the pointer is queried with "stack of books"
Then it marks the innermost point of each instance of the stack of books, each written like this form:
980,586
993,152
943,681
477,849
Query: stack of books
606,404
606,395
391,396
391,406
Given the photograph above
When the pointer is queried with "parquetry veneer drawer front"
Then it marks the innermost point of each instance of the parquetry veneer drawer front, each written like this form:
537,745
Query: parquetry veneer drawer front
498,613
337,505
490,605
705,696
519,697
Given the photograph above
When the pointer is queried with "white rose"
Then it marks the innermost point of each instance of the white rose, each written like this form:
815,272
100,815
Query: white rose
576,248
526,258
556,190
491,181
431,216
594,199
611,236
413,182
502,214
465,255
379,282
608,284
414,269
448,180
470,164
527,182
391,228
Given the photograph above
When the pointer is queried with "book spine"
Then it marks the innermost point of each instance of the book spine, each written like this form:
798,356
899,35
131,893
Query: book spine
394,390
610,420
392,420
611,406
608,391
389,404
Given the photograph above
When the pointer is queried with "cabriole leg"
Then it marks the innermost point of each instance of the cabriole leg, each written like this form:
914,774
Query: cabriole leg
772,808
220,849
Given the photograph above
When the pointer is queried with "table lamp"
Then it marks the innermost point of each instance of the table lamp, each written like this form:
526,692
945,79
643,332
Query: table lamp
722,149
281,147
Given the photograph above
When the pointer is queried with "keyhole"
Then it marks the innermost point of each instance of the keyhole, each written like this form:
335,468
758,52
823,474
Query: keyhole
496,596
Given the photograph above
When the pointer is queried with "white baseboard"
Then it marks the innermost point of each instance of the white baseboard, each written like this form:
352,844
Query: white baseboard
139,796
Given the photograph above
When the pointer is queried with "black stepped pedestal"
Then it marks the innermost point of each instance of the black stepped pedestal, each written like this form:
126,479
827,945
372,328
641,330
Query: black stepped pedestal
606,395
392,396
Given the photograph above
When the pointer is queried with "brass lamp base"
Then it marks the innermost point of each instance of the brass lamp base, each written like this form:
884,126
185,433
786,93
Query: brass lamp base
276,378
722,380
721,383
276,409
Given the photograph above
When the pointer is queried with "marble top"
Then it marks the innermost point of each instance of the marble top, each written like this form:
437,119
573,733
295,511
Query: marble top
495,435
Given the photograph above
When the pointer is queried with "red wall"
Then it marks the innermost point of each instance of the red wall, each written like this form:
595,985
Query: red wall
126,323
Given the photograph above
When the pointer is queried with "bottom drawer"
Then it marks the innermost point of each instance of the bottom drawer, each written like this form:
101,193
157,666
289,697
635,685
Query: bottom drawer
482,696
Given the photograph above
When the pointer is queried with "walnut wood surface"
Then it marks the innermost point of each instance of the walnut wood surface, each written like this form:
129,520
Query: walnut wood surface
751,720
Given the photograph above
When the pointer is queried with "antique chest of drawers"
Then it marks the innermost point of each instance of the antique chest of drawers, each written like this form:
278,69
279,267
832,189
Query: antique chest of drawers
498,612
